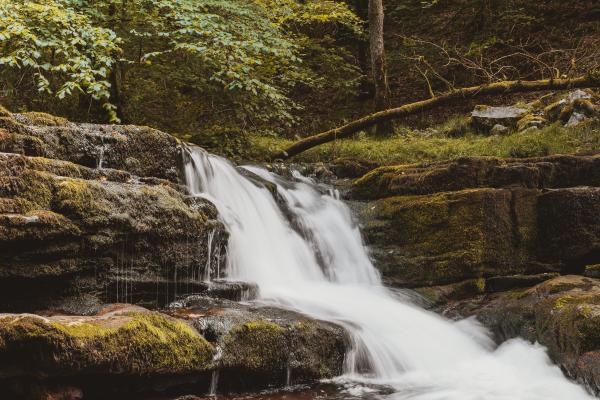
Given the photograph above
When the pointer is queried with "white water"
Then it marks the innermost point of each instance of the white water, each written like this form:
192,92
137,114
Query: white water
325,272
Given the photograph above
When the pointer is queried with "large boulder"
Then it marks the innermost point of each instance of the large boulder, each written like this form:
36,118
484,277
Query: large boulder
110,352
260,346
101,217
265,346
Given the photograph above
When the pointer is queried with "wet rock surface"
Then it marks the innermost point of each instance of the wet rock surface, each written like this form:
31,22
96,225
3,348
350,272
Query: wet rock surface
67,230
262,346
141,151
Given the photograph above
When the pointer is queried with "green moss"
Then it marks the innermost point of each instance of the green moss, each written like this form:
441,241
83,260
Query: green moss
585,106
530,120
43,119
4,112
74,197
418,146
35,187
455,127
256,345
563,301
444,236
431,294
137,343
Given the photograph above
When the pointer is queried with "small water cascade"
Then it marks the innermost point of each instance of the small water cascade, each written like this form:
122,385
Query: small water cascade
214,382
100,155
318,265
206,276
288,375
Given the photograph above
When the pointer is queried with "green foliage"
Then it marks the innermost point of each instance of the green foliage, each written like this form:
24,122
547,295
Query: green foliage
57,47
186,64
228,142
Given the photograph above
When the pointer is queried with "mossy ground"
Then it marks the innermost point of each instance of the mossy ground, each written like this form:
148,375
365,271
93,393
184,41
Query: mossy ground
447,141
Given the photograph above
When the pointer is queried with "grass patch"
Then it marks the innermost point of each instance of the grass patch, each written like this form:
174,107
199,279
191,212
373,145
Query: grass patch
440,143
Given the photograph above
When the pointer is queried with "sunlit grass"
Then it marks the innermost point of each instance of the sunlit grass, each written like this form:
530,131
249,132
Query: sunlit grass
437,144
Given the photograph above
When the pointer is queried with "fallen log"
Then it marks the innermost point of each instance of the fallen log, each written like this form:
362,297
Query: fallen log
506,87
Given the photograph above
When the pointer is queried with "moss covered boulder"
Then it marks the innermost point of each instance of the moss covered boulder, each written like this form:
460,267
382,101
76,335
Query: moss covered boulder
129,343
72,236
451,236
265,346
471,218
116,351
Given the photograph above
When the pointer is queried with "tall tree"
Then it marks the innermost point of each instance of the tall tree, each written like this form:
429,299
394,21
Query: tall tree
378,63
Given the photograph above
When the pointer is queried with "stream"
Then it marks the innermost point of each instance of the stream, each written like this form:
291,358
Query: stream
305,252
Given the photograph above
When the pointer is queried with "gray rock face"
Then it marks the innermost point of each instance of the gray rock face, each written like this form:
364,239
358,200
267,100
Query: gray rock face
576,119
499,130
485,117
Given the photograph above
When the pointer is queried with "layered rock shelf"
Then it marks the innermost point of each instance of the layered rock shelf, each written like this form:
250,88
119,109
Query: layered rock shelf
480,218
95,218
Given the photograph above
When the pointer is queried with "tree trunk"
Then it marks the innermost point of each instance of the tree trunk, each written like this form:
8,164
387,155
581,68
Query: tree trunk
116,79
592,80
362,52
378,64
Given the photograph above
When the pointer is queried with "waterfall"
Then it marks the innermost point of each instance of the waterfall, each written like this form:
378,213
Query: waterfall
305,254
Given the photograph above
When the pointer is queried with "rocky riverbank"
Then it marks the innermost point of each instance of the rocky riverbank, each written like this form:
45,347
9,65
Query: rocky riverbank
92,215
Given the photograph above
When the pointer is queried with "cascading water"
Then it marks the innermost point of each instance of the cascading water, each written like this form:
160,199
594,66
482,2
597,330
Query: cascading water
308,256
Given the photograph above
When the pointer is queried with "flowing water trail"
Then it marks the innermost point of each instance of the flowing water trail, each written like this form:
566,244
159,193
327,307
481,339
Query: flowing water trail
305,253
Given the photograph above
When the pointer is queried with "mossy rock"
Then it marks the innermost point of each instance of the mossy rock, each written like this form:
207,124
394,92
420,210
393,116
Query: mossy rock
114,344
4,112
267,347
43,119
477,172
531,121
139,150
452,236
62,219
562,314
258,346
